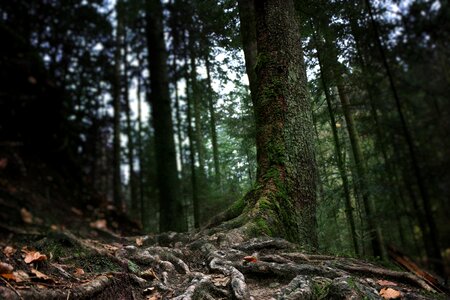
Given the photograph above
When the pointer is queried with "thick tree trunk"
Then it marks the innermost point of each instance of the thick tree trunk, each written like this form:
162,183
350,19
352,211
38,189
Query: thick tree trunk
284,200
140,154
171,207
117,182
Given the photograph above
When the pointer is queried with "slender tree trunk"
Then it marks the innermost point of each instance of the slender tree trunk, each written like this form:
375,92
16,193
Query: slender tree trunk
195,200
130,143
212,115
197,112
140,153
117,182
338,154
373,228
171,206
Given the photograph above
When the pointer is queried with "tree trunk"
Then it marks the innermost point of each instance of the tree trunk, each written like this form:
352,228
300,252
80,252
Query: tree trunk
338,154
140,154
284,200
130,143
372,227
171,207
212,115
117,183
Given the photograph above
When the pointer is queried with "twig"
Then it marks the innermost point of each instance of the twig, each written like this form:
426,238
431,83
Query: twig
11,287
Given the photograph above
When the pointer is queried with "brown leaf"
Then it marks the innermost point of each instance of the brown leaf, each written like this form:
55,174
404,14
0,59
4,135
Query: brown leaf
20,276
54,227
32,256
41,275
27,217
388,293
251,259
149,274
8,276
139,241
99,224
78,272
6,268
9,251
386,282
220,280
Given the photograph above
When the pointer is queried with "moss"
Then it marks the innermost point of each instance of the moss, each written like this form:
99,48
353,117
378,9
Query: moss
95,263
133,267
321,289
236,208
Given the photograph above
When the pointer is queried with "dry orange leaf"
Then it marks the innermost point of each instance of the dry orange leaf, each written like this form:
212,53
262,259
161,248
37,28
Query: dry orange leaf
139,241
8,276
18,276
9,251
386,282
78,272
32,256
6,268
99,224
388,293
251,259
41,275
27,217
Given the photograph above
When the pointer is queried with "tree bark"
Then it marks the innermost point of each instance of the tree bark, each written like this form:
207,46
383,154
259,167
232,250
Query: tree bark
284,200
171,207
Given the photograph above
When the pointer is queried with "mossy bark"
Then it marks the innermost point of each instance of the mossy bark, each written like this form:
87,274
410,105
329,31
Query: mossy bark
283,201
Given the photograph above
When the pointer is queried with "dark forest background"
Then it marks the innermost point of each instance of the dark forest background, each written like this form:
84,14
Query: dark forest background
75,94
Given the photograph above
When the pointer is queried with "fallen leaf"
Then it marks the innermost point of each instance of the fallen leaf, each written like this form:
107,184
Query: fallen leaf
149,274
27,217
6,268
3,163
32,256
99,224
388,293
9,251
41,275
139,241
8,276
76,211
220,280
386,282
20,276
251,259
78,272
54,227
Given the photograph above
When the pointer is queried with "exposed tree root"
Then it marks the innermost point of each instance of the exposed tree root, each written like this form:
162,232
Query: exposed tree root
222,265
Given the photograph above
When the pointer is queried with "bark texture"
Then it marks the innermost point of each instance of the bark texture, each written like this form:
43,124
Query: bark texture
284,199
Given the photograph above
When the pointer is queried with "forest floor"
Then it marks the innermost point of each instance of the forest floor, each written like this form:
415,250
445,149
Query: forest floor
52,249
